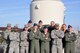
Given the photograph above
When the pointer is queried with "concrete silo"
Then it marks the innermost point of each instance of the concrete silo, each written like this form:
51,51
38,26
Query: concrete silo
47,11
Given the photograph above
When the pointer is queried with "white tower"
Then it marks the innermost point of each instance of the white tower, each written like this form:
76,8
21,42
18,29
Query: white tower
47,11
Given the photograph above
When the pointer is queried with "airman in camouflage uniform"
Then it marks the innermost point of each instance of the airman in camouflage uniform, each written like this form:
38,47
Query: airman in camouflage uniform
24,40
34,37
57,36
14,40
6,37
45,40
70,38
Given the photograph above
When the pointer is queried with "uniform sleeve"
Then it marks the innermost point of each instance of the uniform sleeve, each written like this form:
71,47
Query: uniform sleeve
48,39
1,38
60,34
44,39
37,36
18,37
74,37
11,36
31,37
22,37
67,38
5,35
53,35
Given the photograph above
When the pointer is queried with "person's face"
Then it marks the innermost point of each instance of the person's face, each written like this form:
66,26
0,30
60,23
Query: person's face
52,23
57,27
40,24
45,30
64,26
16,29
36,27
9,28
30,24
26,29
70,29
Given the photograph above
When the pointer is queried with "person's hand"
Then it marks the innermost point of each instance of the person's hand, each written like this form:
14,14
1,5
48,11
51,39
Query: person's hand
46,38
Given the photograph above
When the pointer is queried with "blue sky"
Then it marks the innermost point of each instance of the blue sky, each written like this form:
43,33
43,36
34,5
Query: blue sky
17,12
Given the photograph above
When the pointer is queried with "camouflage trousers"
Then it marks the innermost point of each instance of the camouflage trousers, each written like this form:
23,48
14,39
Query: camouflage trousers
23,49
14,47
5,45
57,49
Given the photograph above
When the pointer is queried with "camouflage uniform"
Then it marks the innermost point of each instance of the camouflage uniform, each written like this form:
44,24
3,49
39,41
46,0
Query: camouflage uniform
70,42
57,36
24,42
7,41
14,41
1,39
34,41
45,40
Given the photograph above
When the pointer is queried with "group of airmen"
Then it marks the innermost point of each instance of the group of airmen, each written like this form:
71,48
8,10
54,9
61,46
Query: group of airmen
39,38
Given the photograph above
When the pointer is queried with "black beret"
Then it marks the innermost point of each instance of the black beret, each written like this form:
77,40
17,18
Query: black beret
40,21
45,27
35,24
69,26
29,21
